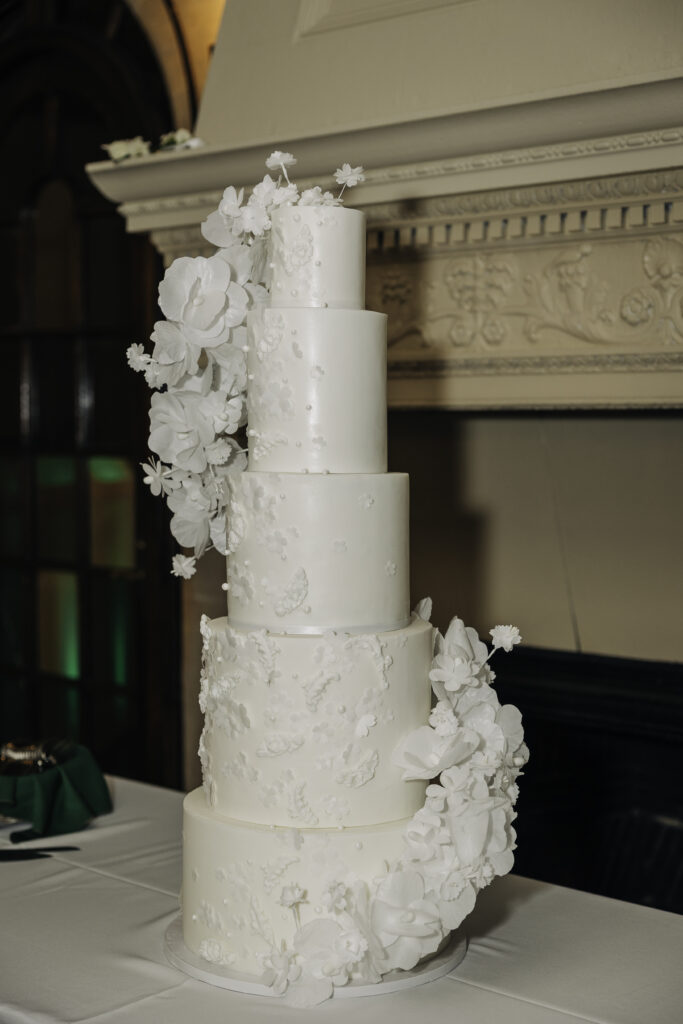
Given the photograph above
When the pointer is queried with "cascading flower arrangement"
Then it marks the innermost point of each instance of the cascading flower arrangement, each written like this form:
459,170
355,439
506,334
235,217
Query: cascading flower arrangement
472,752
197,368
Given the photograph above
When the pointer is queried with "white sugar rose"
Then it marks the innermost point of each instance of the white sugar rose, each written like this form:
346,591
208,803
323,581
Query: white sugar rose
179,431
322,965
192,530
425,835
423,753
351,946
460,660
174,353
280,969
221,226
200,294
407,925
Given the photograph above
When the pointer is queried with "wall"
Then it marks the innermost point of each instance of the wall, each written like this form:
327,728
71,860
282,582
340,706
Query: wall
303,68
567,524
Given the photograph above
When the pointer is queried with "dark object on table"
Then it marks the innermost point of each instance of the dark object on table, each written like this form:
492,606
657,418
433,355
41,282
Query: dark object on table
22,757
54,784
7,856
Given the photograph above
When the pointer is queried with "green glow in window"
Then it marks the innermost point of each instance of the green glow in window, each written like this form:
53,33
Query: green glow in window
112,512
58,624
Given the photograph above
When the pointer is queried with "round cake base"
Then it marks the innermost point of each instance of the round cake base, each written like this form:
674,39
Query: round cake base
177,953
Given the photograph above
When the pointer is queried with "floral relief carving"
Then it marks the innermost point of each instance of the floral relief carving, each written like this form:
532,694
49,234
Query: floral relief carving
490,302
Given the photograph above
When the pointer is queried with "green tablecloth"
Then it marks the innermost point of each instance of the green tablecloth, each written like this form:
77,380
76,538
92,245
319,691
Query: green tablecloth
60,799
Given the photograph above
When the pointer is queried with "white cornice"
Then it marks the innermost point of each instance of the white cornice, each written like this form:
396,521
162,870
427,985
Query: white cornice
511,170
616,131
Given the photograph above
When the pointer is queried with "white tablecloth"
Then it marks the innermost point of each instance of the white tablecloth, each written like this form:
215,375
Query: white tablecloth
81,939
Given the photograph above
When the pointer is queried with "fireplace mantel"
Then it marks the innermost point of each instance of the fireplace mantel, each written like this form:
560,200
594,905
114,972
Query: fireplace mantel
531,256
541,288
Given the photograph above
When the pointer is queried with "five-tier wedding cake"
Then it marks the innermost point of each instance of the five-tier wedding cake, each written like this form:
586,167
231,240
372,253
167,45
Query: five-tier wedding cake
317,855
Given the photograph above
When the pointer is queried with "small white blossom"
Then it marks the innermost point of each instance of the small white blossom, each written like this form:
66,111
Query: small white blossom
183,566
351,947
280,969
138,359
311,196
505,637
292,895
181,138
443,719
255,218
335,897
365,724
279,159
349,176
122,149
154,474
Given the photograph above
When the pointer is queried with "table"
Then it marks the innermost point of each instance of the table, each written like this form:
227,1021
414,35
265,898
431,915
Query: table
81,937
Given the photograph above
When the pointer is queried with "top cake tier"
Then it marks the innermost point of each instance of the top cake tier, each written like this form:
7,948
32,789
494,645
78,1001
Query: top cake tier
317,257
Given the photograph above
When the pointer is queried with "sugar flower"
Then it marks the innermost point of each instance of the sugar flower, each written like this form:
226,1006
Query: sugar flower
183,566
123,149
349,176
154,474
181,138
138,359
280,969
292,895
505,637
279,159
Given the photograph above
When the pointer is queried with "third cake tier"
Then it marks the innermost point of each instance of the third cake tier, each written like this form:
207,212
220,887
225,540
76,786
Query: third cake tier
313,552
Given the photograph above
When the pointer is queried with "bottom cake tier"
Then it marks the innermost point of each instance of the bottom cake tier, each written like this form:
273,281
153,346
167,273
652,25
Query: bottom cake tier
260,899
247,888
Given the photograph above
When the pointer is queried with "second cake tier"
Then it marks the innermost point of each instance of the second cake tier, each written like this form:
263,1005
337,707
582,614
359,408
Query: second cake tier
300,730
311,552
317,390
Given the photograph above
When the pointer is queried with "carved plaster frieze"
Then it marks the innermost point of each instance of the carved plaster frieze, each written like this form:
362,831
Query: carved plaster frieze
604,294
604,306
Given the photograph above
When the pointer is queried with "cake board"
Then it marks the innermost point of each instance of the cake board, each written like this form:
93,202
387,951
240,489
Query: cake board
177,953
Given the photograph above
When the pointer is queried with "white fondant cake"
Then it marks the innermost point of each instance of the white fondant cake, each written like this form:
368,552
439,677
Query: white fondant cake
317,853
313,552
300,730
317,391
